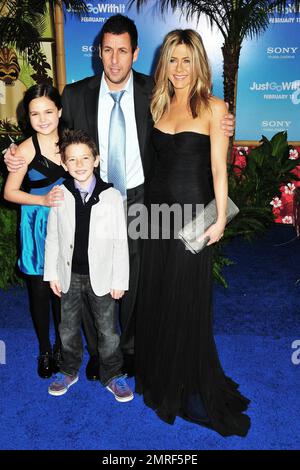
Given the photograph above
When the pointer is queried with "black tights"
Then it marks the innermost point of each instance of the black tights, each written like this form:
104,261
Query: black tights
40,297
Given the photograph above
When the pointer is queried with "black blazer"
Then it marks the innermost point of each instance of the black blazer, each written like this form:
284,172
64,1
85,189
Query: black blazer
80,111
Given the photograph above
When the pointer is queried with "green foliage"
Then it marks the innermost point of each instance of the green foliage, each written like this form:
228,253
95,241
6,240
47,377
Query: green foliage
8,133
219,262
253,187
267,167
8,216
8,245
22,24
39,63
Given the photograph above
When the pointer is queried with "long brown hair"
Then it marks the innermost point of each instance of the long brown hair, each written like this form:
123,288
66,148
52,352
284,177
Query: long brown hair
201,88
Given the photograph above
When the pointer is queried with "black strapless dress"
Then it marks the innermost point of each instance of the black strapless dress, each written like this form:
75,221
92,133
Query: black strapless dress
177,365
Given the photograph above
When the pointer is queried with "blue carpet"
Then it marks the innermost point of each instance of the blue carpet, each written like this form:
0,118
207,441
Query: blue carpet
256,320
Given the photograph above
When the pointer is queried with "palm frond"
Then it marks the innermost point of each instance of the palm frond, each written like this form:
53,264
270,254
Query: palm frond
235,19
72,6
21,33
220,262
23,22
190,9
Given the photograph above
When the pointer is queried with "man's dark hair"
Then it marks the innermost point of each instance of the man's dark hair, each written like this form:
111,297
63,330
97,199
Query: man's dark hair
120,24
76,137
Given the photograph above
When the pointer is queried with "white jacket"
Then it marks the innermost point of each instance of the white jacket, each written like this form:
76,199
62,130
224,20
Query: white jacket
107,247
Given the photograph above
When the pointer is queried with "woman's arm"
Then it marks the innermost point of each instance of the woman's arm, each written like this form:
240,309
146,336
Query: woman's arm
219,147
52,252
12,191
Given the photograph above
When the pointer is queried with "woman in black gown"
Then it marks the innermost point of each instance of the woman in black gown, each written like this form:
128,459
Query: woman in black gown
177,365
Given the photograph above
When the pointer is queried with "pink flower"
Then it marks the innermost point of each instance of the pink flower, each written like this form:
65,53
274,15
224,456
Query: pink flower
276,202
287,219
293,154
239,160
289,188
277,215
243,150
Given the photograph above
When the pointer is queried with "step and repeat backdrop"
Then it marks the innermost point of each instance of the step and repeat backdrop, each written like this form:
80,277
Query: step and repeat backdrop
268,92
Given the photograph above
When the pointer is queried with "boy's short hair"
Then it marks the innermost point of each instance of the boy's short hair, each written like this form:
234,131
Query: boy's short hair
76,137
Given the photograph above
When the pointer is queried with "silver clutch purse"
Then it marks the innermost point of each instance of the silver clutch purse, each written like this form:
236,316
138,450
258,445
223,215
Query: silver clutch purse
192,233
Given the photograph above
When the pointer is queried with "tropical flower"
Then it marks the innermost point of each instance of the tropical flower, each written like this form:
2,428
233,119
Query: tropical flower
293,154
276,202
243,150
287,219
289,188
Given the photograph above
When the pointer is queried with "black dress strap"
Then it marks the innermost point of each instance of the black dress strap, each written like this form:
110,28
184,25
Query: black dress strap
42,183
49,169
36,145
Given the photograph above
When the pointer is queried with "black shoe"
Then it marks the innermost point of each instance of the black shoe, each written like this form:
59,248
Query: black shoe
45,365
92,368
56,361
128,365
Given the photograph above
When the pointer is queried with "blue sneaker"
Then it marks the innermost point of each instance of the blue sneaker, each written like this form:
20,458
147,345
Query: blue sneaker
121,390
61,384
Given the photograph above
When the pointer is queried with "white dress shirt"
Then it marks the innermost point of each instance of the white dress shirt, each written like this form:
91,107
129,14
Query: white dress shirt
134,168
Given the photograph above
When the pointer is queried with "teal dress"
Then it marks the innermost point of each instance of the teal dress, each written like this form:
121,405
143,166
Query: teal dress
42,175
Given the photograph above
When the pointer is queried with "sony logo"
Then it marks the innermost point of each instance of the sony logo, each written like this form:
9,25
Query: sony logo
275,124
86,48
282,50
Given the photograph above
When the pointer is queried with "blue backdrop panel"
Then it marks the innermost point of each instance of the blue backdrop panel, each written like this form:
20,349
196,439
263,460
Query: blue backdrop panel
81,39
268,94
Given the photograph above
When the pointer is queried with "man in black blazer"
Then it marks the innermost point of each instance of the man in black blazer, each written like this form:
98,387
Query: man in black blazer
87,106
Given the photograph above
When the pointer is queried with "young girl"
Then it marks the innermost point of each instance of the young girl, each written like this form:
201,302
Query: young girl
43,172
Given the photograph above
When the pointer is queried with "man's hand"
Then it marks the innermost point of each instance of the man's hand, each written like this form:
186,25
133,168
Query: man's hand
55,286
12,162
116,294
228,123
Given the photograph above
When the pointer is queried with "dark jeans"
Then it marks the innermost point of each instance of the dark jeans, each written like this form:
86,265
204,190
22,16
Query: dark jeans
127,305
103,311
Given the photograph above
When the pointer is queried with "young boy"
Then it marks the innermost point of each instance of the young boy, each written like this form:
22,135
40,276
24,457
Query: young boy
86,255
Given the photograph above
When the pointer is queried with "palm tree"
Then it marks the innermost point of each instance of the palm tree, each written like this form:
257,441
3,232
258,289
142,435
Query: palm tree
22,23
236,20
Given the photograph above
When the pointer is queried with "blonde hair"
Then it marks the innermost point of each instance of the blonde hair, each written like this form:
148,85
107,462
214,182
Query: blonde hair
201,87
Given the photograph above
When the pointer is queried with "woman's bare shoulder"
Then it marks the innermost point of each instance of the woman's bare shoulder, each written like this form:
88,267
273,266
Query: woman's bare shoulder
217,105
26,150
